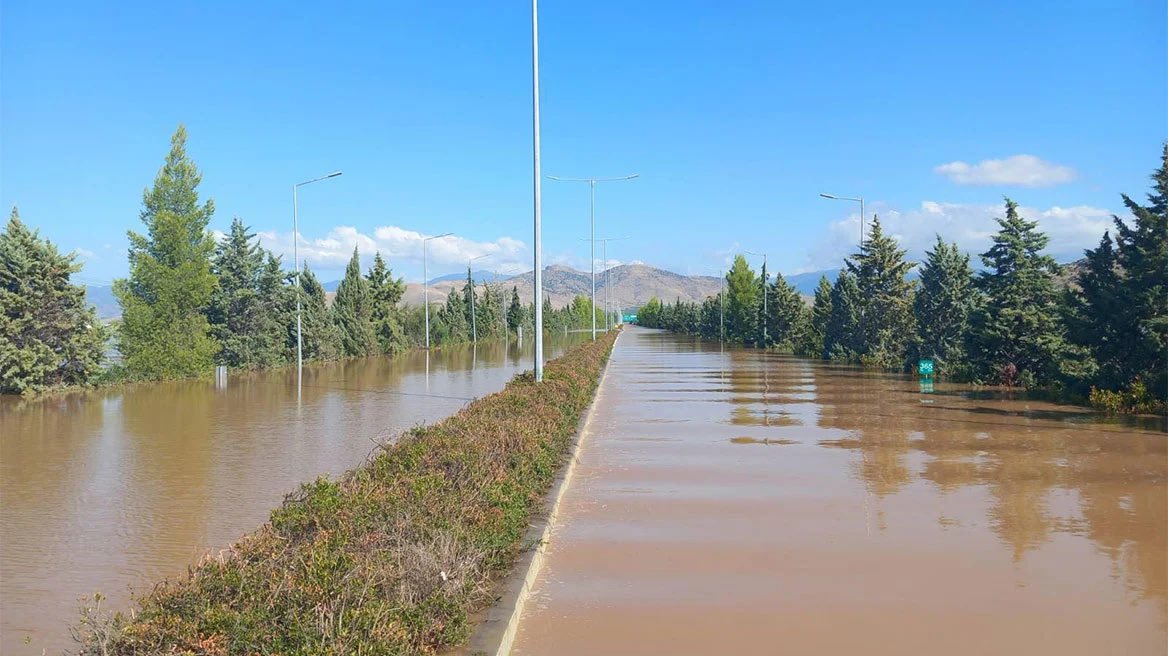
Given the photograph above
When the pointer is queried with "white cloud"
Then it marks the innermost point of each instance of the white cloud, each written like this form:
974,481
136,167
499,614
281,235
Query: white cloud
1021,170
333,250
1070,229
84,253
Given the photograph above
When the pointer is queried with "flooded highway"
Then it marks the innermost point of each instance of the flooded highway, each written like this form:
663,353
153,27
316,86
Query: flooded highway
106,489
740,502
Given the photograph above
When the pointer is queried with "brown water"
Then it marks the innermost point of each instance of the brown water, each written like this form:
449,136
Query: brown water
744,502
107,489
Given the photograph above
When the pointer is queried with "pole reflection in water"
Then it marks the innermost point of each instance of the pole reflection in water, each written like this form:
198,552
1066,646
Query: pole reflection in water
726,518
122,486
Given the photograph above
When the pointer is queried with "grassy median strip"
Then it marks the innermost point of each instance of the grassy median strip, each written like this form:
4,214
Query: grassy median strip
394,556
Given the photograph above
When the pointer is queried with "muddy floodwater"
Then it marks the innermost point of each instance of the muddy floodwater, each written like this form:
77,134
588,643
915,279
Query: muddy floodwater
103,490
739,502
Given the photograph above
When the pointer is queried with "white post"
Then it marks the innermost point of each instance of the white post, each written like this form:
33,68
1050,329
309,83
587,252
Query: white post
535,191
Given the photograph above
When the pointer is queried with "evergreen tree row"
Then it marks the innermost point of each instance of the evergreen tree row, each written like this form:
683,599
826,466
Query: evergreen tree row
191,303
1011,322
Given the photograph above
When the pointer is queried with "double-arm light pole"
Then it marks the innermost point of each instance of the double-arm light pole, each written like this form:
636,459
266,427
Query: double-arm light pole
857,199
592,221
426,282
296,265
764,296
607,284
474,331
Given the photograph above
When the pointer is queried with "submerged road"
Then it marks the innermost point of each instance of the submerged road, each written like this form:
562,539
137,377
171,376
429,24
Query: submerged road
733,501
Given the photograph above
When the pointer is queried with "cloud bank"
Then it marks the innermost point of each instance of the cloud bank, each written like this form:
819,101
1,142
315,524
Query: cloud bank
1019,170
396,245
1071,229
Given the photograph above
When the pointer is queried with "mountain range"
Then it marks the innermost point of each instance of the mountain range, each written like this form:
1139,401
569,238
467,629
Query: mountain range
632,286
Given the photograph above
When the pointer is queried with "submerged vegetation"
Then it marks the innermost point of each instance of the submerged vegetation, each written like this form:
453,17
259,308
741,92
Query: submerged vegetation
393,557
1104,338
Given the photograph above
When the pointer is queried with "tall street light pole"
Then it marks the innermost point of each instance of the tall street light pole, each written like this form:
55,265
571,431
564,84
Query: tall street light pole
857,199
605,240
592,219
296,265
764,296
721,304
426,282
474,331
538,256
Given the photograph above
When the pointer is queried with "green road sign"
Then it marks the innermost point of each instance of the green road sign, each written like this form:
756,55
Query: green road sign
925,367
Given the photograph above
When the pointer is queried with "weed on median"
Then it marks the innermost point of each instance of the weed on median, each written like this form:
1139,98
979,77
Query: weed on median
393,557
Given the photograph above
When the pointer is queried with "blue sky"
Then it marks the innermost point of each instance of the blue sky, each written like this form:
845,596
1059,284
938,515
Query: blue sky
735,115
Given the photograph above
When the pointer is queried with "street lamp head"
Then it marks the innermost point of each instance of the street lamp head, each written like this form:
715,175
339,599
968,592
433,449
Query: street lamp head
829,196
445,234
333,174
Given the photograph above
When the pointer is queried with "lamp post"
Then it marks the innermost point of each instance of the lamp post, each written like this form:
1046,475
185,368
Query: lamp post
296,265
426,282
721,303
592,219
538,255
764,296
857,199
604,256
474,331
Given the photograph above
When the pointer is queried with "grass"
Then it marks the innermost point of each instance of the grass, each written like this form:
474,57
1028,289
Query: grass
392,558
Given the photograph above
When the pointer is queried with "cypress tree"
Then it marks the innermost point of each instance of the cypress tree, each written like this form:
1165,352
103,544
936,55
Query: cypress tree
353,312
49,333
164,330
742,301
276,300
237,312
321,338
453,324
841,335
886,300
1143,257
815,327
943,305
1017,335
787,313
515,312
385,292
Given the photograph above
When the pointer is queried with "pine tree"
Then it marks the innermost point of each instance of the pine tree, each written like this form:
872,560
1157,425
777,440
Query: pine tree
385,292
353,312
237,310
886,300
49,333
321,337
1098,317
1143,257
943,305
787,314
516,314
841,335
164,330
815,327
1017,335
742,303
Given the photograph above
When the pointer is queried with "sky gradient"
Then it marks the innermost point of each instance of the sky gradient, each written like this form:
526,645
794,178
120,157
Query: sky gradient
735,115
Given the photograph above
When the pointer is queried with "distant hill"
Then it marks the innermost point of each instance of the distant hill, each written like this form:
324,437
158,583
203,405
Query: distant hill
632,286
102,298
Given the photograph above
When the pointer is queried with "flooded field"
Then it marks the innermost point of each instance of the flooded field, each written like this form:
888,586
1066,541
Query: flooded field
733,501
107,489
